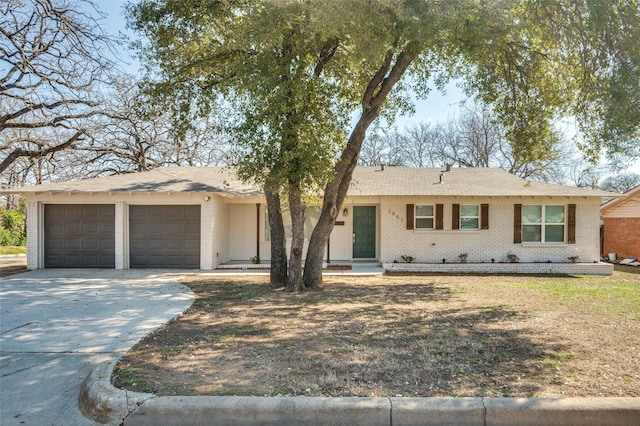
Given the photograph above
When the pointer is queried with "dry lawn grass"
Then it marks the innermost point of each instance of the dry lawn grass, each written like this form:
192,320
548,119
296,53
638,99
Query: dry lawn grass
398,335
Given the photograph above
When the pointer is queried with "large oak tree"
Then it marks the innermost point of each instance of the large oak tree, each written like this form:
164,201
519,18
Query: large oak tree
309,78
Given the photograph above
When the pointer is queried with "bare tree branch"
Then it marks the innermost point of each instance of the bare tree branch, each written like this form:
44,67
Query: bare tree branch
20,152
52,68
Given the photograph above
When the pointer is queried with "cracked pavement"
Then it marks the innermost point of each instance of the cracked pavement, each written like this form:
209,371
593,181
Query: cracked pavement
56,325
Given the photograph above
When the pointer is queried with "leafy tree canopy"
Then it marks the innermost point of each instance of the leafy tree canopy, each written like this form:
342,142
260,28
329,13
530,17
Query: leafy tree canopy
297,71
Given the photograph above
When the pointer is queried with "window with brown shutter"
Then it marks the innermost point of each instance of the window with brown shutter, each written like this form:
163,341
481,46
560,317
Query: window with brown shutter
571,224
484,216
517,223
455,216
439,215
410,218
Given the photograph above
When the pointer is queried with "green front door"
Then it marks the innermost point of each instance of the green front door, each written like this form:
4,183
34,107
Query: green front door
364,232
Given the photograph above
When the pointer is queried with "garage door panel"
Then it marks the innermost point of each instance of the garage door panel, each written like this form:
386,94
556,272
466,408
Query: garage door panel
164,236
174,228
72,228
155,244
90,227
72,244
108,245
192,244
191,228
79,236
155,228
193,259
73,261
91,245
56,244
70,210
105,211
136,246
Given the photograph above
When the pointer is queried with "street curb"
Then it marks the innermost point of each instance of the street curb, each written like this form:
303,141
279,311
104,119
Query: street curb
106,404
101,401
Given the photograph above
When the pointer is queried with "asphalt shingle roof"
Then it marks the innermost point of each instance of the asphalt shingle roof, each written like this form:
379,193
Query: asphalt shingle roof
162,179
367,181
456,182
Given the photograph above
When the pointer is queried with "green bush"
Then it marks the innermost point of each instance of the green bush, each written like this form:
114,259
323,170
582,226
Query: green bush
12,228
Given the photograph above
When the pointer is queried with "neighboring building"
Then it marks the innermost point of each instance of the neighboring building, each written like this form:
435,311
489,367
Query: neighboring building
190,217
621,223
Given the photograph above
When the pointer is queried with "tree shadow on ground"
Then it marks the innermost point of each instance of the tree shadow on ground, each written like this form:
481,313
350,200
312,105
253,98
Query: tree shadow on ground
348,340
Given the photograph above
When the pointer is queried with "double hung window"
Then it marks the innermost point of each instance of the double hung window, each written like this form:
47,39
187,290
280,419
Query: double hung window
543,224
469,216
424,216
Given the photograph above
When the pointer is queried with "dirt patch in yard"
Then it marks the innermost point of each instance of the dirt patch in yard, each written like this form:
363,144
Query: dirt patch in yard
398,336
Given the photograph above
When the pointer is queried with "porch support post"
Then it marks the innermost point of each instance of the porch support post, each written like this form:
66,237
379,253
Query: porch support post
329,249
258,230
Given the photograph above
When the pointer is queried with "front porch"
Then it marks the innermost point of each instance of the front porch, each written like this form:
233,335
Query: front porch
334,268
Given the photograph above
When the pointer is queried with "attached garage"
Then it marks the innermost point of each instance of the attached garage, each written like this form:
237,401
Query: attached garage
79,236
164,236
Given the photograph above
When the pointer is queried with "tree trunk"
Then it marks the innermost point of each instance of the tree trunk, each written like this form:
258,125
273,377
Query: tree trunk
317,244
278,275
334,195
294,280
336,190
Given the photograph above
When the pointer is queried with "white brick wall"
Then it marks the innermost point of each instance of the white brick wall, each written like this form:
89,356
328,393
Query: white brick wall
121,218
217,232
34,234
393,239
483,245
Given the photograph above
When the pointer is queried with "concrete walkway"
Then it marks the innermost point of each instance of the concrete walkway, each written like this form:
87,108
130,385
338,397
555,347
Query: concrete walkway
56,325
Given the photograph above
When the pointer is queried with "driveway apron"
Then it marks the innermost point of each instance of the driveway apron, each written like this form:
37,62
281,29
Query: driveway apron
56,325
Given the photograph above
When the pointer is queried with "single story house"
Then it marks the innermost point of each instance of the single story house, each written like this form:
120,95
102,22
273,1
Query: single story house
621,225
204,217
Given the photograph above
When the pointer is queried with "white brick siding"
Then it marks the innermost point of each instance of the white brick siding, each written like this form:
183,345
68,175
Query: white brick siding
219,231
222,219
34,235
206,236
432,246
121,233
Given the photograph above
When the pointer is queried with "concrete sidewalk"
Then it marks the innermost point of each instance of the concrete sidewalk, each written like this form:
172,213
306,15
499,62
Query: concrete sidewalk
112,406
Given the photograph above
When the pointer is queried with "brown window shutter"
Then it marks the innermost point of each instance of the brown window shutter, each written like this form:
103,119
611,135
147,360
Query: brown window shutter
571,222
439,214
517,223
484,216
455,216
410,216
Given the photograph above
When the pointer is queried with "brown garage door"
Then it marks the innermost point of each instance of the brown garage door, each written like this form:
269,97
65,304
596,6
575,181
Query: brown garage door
164,237
79,236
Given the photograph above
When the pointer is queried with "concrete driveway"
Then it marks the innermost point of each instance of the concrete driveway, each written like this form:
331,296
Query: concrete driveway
57,325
